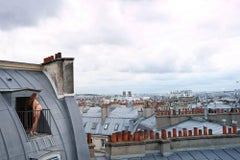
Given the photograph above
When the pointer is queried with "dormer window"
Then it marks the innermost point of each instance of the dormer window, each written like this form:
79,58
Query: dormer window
116,126
106,126
25,114
94,125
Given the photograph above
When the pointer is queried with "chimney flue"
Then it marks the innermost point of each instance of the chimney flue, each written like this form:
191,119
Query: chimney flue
58,55
60,71
104,112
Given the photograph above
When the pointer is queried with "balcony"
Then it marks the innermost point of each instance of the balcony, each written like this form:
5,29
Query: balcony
44,123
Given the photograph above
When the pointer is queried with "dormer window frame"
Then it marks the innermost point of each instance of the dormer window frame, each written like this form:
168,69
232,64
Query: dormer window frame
116,126
94,125
17,99
106,125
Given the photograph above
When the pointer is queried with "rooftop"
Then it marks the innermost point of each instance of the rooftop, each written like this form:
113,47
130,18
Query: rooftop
232,153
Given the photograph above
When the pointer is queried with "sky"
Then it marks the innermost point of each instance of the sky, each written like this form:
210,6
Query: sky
143,46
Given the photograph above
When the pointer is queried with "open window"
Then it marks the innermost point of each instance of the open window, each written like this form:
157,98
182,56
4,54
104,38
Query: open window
25,114
103,142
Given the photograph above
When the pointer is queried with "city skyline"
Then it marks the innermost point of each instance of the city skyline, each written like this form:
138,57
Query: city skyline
143,46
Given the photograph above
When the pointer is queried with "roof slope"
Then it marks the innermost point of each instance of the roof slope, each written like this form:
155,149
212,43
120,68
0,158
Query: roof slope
208,154
66,123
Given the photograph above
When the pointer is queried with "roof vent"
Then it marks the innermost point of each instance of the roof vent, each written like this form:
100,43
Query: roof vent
9,79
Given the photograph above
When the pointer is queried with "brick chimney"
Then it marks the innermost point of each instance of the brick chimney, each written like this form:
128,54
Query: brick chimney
60,72
147,109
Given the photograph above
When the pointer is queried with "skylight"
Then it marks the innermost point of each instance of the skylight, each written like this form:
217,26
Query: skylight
116,126
106,126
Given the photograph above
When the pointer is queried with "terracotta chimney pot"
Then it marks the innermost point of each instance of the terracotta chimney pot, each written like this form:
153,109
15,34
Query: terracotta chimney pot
169,134
174,132
234,127
190,133
224,129
157,136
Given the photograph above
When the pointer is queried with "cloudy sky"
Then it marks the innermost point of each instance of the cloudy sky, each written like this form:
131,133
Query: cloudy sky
146,46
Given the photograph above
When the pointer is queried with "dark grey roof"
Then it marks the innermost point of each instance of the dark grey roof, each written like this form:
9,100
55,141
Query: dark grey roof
124,112
67,133
113,125
207,154
150,123
114,112
118,116
190,124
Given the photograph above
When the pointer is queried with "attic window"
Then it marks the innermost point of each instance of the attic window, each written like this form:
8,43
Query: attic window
25,115
106,126
116,126
94,125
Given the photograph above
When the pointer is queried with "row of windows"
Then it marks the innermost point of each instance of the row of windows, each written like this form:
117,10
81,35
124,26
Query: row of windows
106,125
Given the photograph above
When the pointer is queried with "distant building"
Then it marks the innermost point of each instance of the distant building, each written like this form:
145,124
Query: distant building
181,93
61,134
124,94
129,94
177,134
103,121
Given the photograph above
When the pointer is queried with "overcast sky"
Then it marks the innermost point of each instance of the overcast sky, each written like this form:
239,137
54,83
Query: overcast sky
143,46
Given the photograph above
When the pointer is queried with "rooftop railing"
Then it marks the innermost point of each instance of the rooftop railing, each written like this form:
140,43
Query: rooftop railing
44,123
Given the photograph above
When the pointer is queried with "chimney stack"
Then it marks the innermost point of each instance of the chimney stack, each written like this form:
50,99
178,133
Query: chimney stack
104,112
148,110
60,72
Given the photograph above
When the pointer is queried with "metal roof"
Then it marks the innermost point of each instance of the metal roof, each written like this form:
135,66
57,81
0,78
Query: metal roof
91,112
66,123
205,154
114,112
119,119
190,124
150,123
111,125
124,112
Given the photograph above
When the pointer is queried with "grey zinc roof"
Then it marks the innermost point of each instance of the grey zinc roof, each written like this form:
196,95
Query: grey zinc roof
190,124
66,124
92,112
205,154
118,120
115,112
124,112
100,128
150,123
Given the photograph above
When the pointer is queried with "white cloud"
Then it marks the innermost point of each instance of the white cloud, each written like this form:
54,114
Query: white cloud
143,45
